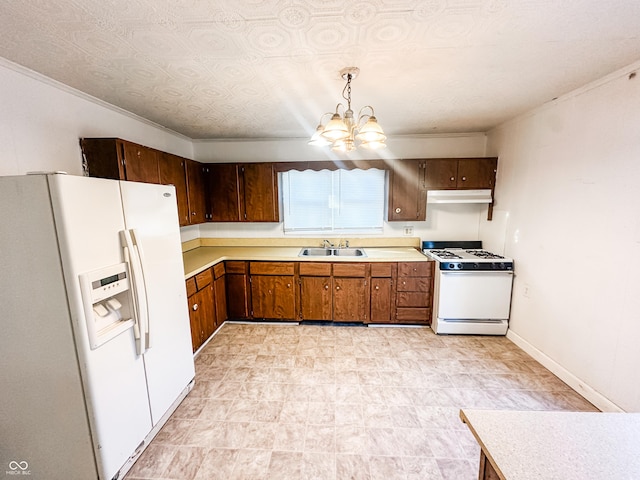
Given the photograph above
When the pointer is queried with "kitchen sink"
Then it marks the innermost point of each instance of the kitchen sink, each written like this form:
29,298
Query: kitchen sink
315,252
329,252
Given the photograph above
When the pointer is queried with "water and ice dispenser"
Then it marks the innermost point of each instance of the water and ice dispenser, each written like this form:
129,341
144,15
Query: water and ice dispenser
108,303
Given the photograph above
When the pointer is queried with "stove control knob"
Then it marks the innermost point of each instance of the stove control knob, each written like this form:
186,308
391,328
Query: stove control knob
452,266
475,265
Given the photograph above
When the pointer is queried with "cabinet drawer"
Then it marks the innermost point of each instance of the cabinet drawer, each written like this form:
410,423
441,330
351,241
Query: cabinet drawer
413,314
271,268
235,267
191,286
413,299
203,279
218,270
414,284
349,269
315,269
414,269
381,269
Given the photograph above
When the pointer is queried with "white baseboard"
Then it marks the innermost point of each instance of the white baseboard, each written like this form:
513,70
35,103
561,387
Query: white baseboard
600,401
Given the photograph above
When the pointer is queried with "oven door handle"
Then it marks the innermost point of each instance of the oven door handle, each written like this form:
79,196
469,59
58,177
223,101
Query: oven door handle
475,272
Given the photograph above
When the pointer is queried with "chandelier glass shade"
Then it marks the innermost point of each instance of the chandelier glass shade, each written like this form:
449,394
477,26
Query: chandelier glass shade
342,131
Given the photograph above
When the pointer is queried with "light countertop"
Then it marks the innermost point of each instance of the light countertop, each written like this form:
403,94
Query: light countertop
558,445
201,258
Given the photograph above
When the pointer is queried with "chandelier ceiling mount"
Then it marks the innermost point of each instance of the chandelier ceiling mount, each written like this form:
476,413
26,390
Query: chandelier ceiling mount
342,130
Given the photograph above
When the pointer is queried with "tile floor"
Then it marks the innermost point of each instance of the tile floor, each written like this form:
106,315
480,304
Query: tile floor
323,402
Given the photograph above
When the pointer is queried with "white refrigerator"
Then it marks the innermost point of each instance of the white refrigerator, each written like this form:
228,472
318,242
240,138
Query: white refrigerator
95,345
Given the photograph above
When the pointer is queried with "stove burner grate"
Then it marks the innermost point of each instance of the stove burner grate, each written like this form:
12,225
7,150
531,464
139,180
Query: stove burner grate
484,254
445,254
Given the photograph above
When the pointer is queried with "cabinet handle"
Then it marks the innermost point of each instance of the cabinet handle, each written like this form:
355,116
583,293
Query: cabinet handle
326,287
377,287
337,288
452,178
195,307
193,213
464,179
288,285
398,210
404,283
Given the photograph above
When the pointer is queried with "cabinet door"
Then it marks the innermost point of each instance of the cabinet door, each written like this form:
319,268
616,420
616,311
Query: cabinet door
476,173
220,301
407,193
224,193
260,192
195,320
237,283
273,296
208,312
141,163
196,190
172,172
316,298
349,303
104,157
441,174
380,300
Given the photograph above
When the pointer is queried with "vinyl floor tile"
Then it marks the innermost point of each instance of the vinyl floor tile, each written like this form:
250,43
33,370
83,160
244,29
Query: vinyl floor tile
333,403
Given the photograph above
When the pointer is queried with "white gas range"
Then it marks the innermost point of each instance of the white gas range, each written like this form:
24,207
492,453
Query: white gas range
472,289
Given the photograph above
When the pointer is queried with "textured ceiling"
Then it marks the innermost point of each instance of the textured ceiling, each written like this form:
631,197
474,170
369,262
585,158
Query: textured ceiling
269,68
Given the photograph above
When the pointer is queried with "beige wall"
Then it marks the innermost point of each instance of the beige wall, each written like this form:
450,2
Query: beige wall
569,195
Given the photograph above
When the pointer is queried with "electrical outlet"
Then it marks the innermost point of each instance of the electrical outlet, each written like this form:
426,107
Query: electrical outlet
408,231
525,291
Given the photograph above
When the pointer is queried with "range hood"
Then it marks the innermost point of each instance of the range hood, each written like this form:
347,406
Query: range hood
459,196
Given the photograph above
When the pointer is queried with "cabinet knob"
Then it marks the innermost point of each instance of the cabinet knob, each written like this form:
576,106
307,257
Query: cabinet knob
404,283
195,307
398,210
288,285
452,178
193,213
464,179
326,287
377,287
337,288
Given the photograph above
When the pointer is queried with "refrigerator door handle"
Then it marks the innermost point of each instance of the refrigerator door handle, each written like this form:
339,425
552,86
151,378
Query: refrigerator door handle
147,323
132,258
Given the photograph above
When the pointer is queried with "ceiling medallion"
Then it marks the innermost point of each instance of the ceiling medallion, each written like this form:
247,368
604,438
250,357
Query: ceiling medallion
342,131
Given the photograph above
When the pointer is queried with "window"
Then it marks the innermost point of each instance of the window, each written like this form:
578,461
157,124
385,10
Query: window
340,201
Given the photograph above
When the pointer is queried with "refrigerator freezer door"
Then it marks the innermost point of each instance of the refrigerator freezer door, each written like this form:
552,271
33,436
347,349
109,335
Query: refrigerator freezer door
43,419
89,217
152,217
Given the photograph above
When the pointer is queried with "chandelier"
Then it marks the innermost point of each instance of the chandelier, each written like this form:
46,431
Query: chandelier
342,131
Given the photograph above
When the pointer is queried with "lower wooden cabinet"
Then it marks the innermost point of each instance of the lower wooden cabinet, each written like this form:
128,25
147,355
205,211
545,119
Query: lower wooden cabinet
382,292
238,290
316,291
273,290
414,292
354,292
201,308
350,299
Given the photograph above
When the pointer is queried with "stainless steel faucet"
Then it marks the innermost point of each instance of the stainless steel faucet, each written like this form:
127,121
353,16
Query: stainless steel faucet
327,244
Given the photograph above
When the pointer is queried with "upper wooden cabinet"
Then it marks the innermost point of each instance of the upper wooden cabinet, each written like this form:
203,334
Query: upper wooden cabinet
407,193
243,192
196,188
172,172
120,160
464,173
224,192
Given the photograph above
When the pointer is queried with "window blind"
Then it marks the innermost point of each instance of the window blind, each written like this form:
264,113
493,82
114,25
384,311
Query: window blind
340,201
